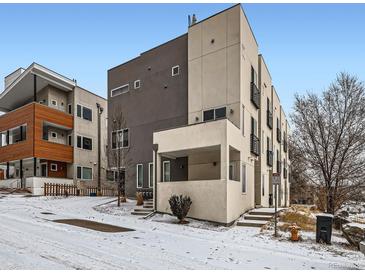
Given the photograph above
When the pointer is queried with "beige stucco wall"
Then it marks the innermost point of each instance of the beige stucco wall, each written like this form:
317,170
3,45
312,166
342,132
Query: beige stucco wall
213,60
89,129
220,133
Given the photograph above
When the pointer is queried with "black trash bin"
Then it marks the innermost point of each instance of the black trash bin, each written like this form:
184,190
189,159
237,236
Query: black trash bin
324,228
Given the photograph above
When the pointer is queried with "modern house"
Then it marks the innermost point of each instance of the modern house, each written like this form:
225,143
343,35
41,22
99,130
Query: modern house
49,131
202,119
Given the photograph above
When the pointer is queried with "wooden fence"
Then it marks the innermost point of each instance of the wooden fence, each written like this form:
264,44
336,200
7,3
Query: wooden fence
71,190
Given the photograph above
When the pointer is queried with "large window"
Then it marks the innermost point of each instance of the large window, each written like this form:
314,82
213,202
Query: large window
84,142
85,113
13,136
214,114
253,76
139,176
119,90
150,174
120,138
166,171
84,173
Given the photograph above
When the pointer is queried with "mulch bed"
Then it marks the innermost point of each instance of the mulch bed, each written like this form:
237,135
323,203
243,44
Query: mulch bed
94,225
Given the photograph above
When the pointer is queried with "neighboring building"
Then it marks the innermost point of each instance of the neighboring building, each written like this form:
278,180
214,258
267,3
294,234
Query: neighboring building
208,99
151,92
49,130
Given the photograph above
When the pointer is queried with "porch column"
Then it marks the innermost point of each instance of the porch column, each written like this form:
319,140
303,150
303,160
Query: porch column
224,161
21,172
35,88
7,170
35,167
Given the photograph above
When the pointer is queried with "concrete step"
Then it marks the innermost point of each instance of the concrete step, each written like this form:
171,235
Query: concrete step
264,213
147,206
140,213
251,223
148,203
143,209
258,217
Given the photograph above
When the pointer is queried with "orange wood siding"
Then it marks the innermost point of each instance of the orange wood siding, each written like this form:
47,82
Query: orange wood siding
61,170
48,150
33,115
18,117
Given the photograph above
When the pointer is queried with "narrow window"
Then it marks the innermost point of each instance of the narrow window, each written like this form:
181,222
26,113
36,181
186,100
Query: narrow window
263,185
139,175
137,84
69,138
125,138
243,178
166,171
114,140
243,120
79,111
69,107
150,175
231,171
53,167
79,141
175,70
79,172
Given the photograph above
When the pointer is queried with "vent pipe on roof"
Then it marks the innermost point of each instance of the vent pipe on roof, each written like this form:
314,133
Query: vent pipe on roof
192,21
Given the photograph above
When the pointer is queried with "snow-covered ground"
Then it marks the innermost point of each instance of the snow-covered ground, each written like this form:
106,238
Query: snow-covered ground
30,240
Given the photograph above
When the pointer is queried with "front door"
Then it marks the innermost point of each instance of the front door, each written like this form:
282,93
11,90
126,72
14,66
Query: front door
44,170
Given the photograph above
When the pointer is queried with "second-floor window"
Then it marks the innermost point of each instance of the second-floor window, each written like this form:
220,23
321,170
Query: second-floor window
84,113
120,138
84,143
13,136
214,114
119,90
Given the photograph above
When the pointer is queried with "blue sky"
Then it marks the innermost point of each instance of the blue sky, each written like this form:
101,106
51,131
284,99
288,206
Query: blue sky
304,45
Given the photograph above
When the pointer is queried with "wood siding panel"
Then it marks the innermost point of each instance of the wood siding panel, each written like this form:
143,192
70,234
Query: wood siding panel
48,150
24,149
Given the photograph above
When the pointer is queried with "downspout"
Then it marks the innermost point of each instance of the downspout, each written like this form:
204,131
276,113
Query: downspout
155,149
100,111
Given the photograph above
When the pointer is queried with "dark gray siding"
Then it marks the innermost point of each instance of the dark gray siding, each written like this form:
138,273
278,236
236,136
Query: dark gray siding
160,103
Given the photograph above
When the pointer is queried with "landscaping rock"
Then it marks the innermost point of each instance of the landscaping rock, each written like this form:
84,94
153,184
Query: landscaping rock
354,233
362,247
339,221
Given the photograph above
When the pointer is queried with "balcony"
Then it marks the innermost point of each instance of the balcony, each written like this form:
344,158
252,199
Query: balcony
278,166
269,158
255,95
33,117
285,172
255,144
269,119
285,146
278,135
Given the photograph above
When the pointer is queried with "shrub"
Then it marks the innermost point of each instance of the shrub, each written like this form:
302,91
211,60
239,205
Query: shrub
139,197
180,206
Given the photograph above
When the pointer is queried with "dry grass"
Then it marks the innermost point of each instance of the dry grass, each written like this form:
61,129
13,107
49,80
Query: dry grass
139,197
303,216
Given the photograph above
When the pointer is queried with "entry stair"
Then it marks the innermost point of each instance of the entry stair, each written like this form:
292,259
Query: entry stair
257,217
144,210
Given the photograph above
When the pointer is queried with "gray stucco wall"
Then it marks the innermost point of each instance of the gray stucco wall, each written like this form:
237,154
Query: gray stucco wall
160,102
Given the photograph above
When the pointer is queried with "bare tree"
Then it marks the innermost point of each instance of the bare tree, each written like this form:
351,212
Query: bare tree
329,133
118,151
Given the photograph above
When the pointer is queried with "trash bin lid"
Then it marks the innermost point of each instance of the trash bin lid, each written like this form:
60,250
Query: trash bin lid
324,215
